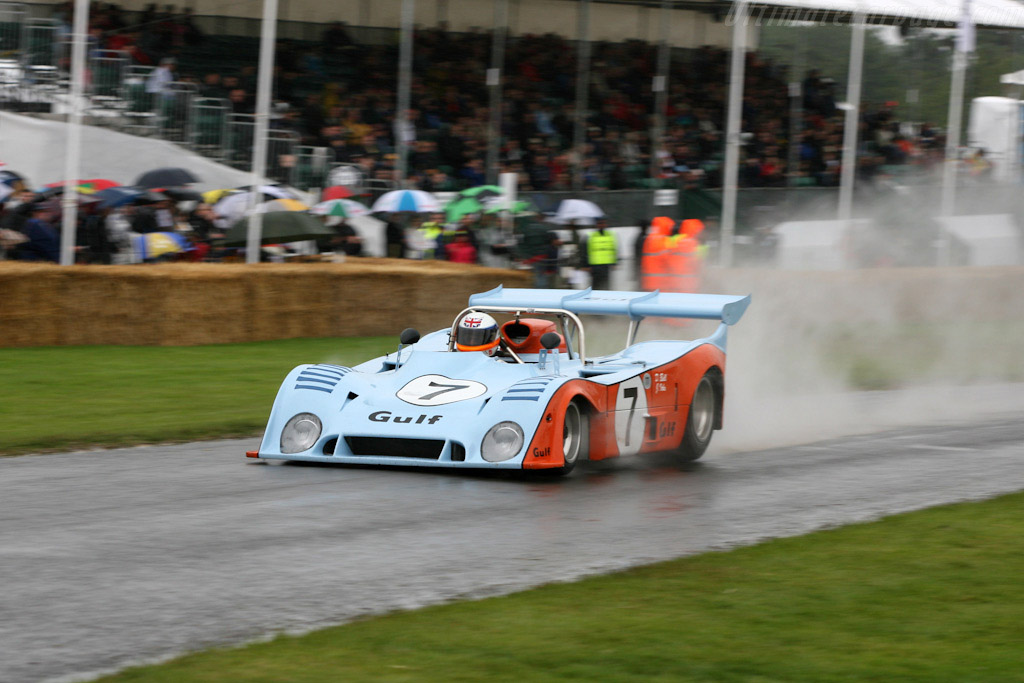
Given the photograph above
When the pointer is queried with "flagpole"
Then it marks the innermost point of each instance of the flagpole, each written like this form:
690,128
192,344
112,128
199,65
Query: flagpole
73,150
964,45
733,129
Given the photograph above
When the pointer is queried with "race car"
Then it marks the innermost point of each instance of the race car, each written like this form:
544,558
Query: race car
520,394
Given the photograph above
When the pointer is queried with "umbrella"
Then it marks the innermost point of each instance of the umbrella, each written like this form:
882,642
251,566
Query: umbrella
579,210
482,192
154,244
337,192
281,205
213,196
166,177
234,206
280,226
498,204
10,182
96,185
406,200
271,191
346,208
117,196
462,206
180,194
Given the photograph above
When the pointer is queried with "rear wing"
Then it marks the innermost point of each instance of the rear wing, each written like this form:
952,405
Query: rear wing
637,305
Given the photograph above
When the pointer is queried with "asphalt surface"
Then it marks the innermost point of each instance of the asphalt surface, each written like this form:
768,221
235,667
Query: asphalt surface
114,557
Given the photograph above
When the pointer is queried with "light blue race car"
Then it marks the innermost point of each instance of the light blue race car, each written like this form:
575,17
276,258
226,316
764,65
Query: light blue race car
519,394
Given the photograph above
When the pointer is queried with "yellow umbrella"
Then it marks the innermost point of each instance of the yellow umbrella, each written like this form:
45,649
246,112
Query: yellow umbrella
283,205
213,196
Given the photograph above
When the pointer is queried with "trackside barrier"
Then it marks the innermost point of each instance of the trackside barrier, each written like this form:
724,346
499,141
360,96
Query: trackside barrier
208,127
41,50
173,107
12,27
186,304
281,146
108,70
139,118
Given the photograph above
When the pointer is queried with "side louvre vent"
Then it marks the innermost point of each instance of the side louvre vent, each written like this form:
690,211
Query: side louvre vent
321,377
527,389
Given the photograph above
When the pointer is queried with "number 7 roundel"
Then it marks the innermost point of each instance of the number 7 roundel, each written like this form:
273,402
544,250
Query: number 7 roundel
630,409
437,390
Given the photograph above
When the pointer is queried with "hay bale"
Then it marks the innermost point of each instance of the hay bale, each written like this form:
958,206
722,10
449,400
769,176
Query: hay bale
187,304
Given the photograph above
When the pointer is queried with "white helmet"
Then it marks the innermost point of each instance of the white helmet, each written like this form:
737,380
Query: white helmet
477,332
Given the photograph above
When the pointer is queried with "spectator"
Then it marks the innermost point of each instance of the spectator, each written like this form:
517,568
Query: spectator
43,239
160,78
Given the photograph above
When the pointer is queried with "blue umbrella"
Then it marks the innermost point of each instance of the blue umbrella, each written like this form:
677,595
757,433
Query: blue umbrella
406,200
118,196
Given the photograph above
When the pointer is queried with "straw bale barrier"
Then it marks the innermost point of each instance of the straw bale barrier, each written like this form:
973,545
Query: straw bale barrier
188,304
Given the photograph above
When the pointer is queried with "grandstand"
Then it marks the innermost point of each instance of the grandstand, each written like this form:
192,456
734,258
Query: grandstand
337,86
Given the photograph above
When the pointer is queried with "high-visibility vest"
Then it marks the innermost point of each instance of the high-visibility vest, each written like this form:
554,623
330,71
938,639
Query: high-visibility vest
429,232
684,265
601,249
654,266
652,263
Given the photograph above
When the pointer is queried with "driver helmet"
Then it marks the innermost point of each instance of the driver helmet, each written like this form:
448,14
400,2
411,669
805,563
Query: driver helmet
477,332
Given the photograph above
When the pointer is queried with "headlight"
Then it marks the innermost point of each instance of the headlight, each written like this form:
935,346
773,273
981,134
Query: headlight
300,433
502,442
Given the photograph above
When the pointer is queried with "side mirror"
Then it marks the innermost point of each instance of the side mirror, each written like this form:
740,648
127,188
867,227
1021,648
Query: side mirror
409,336
551,340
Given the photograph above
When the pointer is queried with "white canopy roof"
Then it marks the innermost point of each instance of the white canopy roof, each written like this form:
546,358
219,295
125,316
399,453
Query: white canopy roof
938,13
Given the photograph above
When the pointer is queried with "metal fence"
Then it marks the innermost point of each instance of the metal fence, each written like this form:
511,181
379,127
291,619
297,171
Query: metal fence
208,127
12,22
281,145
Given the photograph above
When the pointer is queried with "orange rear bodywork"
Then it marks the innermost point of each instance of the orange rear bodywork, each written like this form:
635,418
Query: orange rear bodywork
668,389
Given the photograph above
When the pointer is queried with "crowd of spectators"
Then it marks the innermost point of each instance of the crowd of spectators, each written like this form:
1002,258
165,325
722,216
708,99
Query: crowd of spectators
340,94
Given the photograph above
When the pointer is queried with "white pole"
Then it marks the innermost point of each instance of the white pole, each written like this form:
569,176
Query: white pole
660,86
956,105
730,179
73,149
265,84
494,84
404,88
852,125
582,93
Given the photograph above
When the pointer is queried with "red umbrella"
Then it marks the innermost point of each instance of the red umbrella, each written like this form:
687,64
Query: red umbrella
336,192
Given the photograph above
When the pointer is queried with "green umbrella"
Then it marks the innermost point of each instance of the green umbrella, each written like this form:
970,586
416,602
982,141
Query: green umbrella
278,226
518,208
461,206
482,191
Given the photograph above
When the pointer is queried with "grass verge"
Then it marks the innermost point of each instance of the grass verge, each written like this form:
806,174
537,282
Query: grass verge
926,596
57,398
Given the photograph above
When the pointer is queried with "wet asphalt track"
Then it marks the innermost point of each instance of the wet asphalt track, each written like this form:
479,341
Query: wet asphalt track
111,557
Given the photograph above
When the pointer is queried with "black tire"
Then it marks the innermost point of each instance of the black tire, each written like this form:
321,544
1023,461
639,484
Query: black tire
700,421
575,437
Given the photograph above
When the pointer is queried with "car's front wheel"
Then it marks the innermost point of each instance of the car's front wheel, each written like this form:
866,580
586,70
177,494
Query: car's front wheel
575,430
700,422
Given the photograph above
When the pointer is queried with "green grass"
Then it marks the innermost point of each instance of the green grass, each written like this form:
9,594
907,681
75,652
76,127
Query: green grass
873,356
927,596
57,398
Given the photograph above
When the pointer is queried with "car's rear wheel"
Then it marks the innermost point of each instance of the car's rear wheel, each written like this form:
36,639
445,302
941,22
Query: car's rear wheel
575,430
700,422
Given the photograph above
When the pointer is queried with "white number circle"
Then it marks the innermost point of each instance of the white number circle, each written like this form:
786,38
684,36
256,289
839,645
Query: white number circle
630,408
437,390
